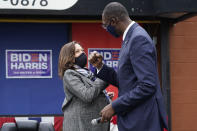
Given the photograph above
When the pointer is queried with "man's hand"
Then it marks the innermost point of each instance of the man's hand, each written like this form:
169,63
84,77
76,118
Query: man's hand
95,59
107,113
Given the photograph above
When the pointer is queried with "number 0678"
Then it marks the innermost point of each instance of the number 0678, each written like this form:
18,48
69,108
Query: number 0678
29,2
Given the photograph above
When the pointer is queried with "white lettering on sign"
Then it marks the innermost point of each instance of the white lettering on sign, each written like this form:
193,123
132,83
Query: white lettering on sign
113,64
24,58
26,66
37,4
106,55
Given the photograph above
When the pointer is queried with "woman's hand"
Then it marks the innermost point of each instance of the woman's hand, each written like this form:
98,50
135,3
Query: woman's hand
96,59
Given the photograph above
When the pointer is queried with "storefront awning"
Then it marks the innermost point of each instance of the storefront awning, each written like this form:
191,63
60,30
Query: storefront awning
92,9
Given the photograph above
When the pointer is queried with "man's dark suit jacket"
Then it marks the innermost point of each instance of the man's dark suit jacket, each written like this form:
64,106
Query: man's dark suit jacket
139,106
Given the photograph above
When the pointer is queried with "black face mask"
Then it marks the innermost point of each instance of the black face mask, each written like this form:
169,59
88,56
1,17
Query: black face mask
81,60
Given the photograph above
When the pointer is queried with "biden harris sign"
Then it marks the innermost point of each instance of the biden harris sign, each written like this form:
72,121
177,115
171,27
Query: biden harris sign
28,63
110,56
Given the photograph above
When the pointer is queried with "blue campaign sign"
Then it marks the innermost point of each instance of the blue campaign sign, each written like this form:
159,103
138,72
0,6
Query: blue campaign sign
29,58
110,56
28,63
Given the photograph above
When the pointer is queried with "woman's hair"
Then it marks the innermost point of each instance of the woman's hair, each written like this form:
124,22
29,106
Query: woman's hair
66,58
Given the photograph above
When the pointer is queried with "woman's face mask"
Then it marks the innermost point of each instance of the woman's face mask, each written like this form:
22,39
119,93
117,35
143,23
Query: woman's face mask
80,56
81,60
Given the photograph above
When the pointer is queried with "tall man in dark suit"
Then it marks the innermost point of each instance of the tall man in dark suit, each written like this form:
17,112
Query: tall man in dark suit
139,106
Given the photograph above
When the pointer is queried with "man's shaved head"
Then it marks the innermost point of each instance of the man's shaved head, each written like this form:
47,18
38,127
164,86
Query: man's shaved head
115,9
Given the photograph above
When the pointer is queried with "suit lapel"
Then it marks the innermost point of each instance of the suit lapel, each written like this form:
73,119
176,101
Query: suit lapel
127,38
129,33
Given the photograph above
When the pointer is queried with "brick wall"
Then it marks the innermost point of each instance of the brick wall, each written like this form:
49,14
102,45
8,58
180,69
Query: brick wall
183,68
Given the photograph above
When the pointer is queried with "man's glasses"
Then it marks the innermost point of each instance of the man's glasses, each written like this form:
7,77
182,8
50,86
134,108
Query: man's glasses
104,26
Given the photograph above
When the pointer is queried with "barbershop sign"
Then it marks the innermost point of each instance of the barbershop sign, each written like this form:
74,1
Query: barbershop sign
28,63
110,56
37,4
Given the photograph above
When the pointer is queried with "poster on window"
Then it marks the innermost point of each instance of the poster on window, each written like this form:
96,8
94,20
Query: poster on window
110,56
28,63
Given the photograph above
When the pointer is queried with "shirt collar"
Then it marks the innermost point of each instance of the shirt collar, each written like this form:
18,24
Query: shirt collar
127,29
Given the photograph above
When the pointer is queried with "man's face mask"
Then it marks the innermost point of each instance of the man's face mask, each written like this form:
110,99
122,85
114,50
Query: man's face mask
112,31
81,60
